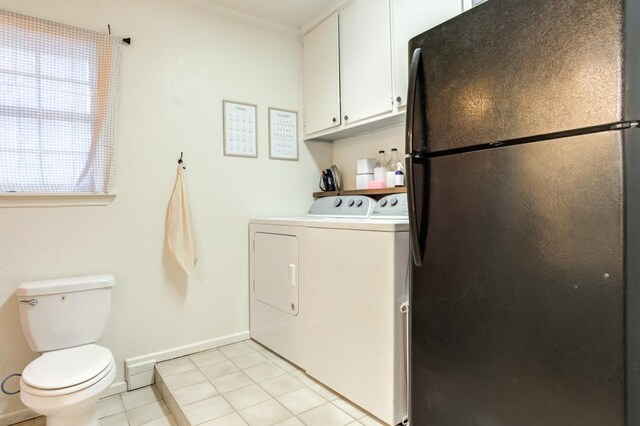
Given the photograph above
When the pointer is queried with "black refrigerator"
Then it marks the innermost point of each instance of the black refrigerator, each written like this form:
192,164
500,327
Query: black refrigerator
523,172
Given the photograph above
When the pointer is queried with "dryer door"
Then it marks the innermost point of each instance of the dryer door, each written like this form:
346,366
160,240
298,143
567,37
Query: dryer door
276,271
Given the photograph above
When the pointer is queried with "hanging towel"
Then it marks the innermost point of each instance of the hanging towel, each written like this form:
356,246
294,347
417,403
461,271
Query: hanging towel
178,227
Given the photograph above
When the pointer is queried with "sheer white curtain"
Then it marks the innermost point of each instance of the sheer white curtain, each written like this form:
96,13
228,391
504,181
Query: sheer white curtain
59,90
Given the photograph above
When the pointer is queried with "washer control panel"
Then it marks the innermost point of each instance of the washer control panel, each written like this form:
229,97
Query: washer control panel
391,207
350,206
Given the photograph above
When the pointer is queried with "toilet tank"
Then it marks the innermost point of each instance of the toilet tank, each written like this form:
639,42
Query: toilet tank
62,313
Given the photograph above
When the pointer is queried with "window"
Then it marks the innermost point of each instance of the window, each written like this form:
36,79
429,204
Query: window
59,89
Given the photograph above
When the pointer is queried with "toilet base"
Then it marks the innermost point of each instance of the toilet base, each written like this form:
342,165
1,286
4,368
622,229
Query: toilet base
85,418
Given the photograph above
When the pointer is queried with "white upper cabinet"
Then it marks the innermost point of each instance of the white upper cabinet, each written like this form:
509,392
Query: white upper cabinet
468,4
322,77
356,63
410,18
365,60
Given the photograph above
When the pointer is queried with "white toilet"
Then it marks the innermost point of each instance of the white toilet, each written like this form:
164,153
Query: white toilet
63,319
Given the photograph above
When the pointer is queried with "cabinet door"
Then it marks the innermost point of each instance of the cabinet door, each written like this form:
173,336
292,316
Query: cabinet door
468,4
322,77
410,18
365,60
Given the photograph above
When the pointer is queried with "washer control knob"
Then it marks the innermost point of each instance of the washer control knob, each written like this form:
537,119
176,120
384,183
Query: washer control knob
337,202
383,203
351,203
394,201
359,203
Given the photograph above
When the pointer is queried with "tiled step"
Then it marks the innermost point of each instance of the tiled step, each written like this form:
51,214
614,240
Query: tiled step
246,384
136,408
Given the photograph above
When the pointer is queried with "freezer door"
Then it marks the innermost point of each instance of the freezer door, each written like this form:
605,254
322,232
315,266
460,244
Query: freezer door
509,69
517,314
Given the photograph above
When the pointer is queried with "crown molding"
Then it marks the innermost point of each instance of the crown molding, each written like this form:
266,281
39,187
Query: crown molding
324,14
243,17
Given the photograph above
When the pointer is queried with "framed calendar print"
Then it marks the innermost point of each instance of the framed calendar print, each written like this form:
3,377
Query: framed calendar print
283,134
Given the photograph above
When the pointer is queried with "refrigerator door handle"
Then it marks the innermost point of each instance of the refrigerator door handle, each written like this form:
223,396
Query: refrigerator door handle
412,155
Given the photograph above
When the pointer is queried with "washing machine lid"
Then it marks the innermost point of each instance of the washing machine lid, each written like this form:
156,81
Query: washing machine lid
67,367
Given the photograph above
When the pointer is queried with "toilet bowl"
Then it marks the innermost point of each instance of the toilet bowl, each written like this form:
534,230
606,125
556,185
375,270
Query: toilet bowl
74,405
62,319
65,385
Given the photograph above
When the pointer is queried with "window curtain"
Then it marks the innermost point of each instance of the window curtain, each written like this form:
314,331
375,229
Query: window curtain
59,94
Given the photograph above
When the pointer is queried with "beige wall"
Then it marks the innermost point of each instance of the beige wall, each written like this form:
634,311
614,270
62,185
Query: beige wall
183,61
346,152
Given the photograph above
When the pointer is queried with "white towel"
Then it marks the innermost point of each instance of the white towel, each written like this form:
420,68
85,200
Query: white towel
178,227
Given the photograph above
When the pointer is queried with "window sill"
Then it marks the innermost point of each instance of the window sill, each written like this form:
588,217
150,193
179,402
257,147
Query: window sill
54,199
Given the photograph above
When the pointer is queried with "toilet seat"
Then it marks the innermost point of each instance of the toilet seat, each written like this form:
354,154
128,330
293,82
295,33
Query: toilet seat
68,370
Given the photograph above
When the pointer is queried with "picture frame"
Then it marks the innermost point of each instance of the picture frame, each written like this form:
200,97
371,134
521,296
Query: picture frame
283,134
240,129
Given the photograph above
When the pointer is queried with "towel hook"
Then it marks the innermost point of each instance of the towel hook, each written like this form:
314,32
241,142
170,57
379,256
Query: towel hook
181,162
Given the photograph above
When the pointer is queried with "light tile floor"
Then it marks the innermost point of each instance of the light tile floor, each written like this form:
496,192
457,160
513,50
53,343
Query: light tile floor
140,407
246,384
235,385
38,421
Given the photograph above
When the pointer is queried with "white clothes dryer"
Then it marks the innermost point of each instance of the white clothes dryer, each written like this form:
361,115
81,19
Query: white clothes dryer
277,273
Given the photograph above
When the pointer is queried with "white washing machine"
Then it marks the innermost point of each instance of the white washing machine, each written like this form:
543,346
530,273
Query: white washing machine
326,294
357,284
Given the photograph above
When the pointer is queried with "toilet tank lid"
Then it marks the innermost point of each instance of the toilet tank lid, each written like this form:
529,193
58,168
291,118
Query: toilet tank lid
65,285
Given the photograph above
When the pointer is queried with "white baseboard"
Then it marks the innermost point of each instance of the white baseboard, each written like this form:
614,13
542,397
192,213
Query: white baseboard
139,369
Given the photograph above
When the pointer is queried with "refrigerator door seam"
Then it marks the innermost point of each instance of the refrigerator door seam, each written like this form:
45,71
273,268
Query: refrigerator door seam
528,139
